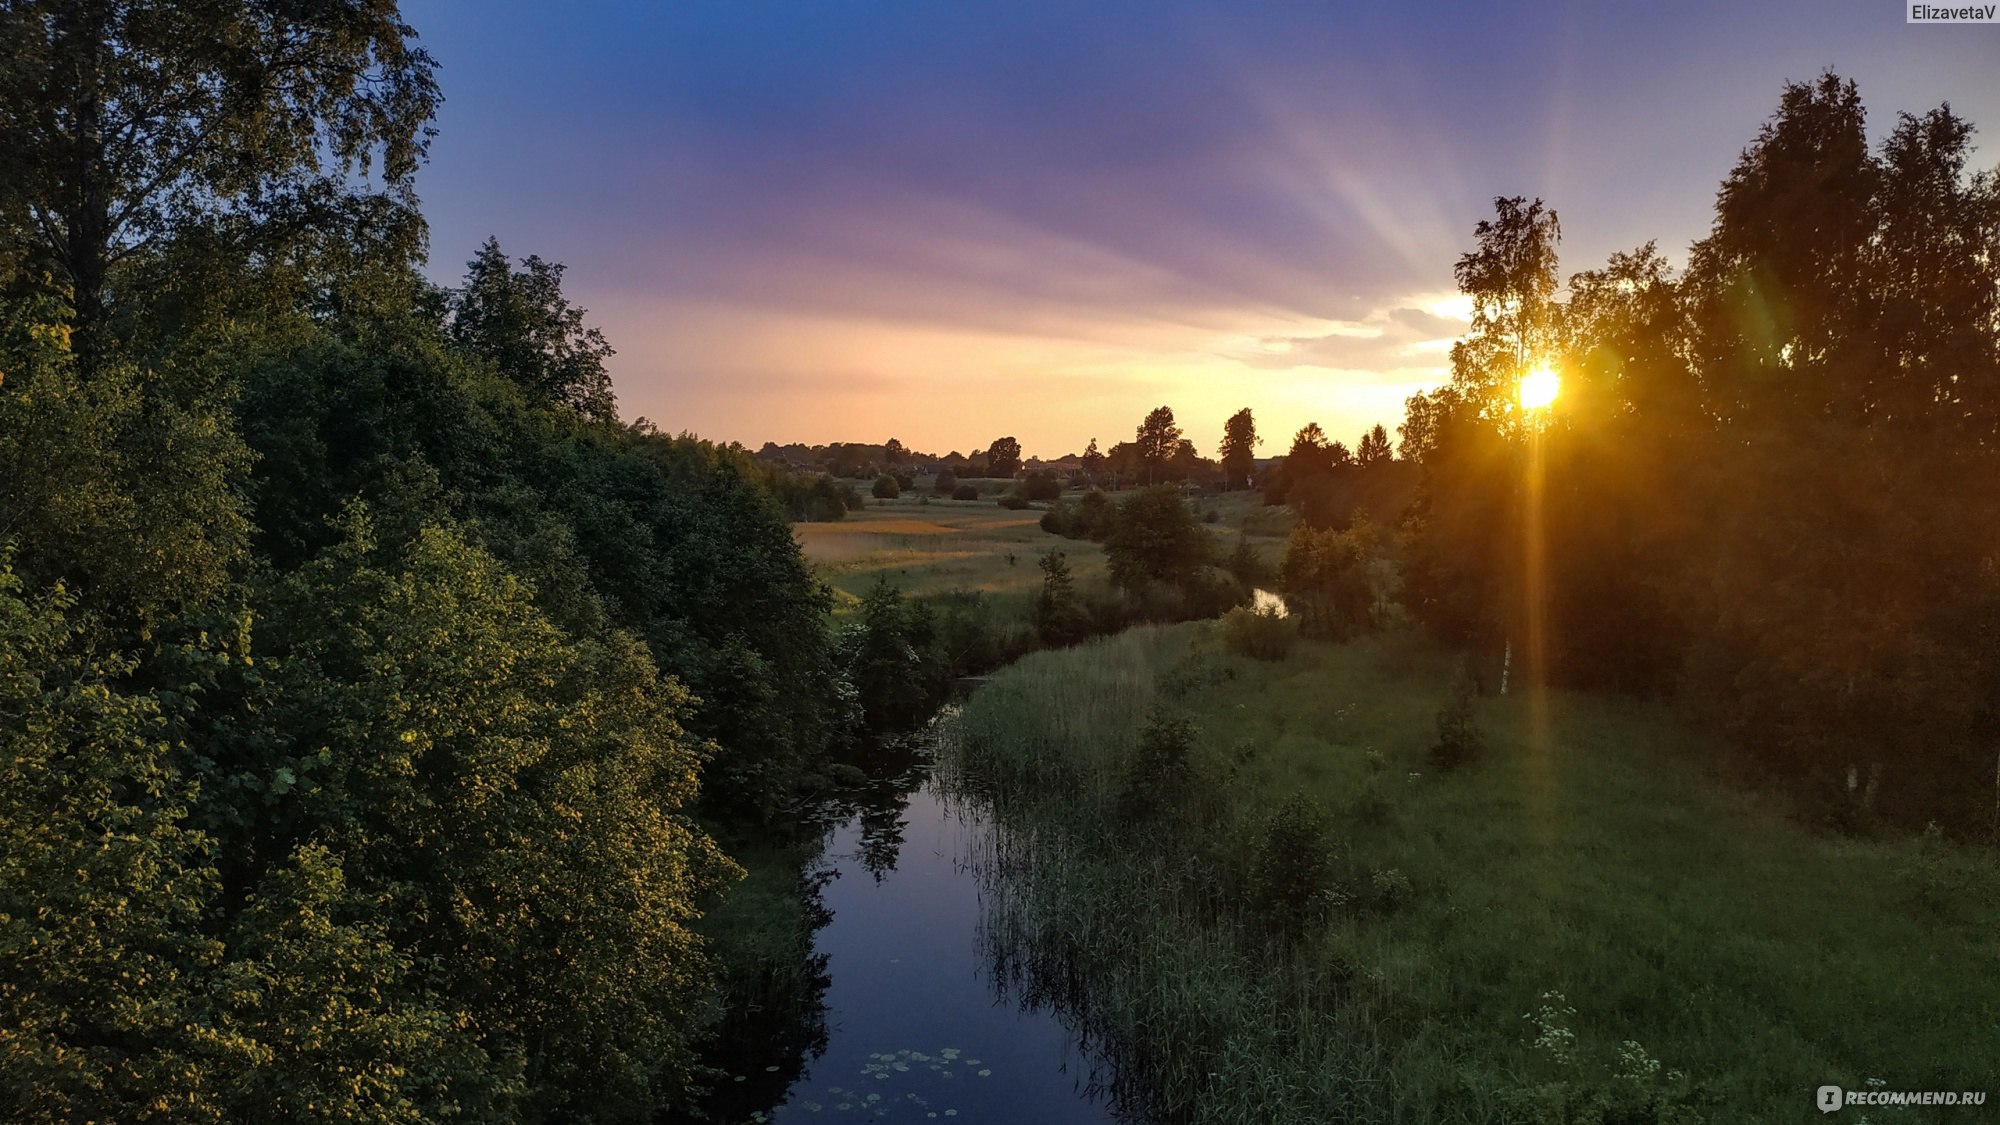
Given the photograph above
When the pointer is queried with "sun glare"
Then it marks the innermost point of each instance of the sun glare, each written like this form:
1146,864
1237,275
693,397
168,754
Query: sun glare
1538,389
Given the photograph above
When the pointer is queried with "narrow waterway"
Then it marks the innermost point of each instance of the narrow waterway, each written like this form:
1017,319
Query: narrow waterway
917,1029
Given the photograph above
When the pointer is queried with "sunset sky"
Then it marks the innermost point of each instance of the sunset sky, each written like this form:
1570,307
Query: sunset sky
946,221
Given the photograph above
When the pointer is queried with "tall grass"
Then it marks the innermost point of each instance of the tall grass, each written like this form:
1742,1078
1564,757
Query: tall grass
1583,928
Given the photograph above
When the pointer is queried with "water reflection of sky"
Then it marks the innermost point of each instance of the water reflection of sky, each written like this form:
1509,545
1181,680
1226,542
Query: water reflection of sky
912,1016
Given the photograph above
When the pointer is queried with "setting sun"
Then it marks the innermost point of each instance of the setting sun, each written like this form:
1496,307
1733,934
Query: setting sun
1538,388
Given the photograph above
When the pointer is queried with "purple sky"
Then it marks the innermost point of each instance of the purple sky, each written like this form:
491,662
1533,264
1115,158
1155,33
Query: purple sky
946,221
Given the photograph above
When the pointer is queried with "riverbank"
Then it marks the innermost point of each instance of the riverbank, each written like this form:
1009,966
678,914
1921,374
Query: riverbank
1252,880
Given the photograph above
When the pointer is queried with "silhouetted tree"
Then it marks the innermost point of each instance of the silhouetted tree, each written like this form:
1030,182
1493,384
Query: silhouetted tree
1158,438
1374,448
1238,450
1003,458
1093,462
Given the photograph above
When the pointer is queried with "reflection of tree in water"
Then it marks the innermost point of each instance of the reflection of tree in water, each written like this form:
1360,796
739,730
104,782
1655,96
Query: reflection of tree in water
881,839
775,1025
775,1022
894,768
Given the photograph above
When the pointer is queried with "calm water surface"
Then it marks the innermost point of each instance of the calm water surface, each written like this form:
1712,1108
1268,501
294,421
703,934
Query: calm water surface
916,1029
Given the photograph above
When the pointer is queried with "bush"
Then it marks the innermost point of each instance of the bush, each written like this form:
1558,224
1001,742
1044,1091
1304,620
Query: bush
1159,774
974,636
1155,538
1014,501
1293,864
1059,620
1210,592
965,492
1331,574
1247,563
1258,634
1459,741
1042,485
945,484
1094,517
886,487
1088,518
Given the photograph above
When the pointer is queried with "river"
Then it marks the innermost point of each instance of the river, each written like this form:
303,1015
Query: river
918,1028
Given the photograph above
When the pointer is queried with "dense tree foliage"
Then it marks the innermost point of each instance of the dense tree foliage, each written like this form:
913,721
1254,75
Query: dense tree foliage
518,321
1154,538
1768,486
361,674
128,124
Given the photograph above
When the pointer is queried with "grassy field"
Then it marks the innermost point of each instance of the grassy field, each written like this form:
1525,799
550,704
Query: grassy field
937,547
928,546
1582,927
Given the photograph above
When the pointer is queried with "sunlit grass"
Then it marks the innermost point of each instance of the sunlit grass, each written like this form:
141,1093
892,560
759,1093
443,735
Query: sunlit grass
1668,908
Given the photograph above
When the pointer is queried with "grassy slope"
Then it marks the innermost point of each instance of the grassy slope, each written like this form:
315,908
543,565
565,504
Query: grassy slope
1667,908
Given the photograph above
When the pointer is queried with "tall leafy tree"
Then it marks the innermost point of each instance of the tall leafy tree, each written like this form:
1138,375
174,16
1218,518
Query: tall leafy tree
1511,278
1238,449
1093,462
1003,457
1374,448
520,321
127,122
1158,438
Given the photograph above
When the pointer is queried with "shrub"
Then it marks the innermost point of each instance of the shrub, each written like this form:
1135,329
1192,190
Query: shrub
1094,517
1014,501
965,492
1293,864
945,484
1389,889
1257,634
1247,563
1159,774
1330,574
1154,537
886,487
1060,519
1459,741
1042,485
1210,592
1058,618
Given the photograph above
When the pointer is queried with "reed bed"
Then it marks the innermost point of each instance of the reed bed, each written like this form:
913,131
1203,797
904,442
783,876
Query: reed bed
1589,927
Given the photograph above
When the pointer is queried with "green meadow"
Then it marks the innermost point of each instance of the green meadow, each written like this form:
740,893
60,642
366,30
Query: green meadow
927,546
1582,925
